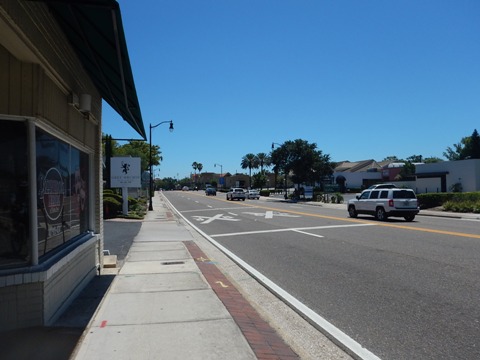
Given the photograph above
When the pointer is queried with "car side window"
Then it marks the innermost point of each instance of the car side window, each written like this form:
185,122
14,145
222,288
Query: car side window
364,195
384,194
374,194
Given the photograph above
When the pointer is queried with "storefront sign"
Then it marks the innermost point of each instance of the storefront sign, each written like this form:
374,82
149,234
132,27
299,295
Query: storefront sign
125,172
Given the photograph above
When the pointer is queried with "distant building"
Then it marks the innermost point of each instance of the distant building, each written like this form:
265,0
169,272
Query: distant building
432,177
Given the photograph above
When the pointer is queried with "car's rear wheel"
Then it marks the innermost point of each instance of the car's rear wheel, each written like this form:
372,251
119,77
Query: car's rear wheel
380,214
409,217
352,212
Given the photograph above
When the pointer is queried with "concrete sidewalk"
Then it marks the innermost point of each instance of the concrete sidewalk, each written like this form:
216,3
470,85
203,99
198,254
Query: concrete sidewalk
169,301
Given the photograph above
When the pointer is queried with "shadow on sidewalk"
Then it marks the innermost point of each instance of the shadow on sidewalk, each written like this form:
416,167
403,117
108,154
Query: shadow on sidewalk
56,342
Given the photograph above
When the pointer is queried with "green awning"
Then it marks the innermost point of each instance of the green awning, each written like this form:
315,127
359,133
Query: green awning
94,29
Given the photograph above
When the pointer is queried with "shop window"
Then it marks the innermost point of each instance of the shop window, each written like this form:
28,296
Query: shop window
14,210
62,192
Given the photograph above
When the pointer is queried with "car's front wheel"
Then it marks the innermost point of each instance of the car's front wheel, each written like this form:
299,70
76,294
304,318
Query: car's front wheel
352,212
380,214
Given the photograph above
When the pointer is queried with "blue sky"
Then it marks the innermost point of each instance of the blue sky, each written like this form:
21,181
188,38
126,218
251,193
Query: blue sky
361,79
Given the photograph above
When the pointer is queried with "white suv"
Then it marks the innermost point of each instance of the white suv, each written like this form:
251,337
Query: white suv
236,193
383,203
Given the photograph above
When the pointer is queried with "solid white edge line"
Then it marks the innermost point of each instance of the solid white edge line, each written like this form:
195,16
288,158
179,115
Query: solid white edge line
336,335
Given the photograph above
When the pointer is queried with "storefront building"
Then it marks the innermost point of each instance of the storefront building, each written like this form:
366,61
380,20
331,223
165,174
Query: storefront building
58,60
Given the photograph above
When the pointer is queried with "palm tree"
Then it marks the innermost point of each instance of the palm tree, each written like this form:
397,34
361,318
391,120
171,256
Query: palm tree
263,160
199,168
195,168
250,161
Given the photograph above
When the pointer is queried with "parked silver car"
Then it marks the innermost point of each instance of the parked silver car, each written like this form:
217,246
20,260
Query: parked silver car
236,194
253,194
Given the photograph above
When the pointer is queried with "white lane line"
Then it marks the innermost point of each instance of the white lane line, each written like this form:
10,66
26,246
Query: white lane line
288,229
306,233
269,215
337,335
212,208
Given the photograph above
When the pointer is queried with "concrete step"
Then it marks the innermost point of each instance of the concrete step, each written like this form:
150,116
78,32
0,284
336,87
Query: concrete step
110,261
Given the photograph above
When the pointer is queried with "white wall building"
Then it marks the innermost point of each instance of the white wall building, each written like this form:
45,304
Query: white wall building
434,177
441,176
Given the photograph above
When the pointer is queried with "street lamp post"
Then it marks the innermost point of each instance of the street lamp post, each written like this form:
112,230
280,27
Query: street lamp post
221,170
150,205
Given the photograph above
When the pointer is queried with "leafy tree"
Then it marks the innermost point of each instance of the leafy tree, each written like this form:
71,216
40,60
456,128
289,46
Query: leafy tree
303,160
259,180
415,159
250,161
141,149
391,158
134,148
408,171
472,147
457,151
467,148
432,159
167,183
278,159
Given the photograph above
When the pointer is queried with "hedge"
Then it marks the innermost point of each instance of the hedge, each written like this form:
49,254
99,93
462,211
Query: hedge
430,200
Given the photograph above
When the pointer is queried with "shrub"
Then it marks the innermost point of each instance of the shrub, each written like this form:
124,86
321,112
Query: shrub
430,200
111,207
117,197
338,198
456,202
462,206
264,192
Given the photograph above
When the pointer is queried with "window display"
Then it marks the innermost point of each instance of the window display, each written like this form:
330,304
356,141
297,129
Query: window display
62,188
62,175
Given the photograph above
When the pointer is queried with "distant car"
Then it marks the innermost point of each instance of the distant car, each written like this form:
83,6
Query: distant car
236,194
383,203
185,188
253,194
210,191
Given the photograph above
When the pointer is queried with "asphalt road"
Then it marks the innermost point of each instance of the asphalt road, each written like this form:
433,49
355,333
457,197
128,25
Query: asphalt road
119,235
402,290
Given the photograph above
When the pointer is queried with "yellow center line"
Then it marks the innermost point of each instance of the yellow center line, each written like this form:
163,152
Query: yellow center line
403,227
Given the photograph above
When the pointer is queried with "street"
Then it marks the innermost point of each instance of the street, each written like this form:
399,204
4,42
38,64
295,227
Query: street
401,290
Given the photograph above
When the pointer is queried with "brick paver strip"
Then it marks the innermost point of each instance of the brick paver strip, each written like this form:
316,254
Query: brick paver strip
263,339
